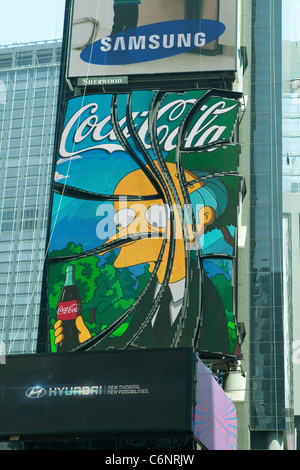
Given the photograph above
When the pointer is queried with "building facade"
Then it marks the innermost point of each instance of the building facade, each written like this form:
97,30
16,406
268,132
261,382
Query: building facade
29,76
264,383
266,326
290,168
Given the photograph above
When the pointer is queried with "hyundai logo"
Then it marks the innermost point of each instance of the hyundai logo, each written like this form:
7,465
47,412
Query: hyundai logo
35,392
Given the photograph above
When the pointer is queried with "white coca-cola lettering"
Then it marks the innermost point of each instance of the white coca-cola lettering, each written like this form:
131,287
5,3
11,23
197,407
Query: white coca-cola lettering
68,310
63,310
205,129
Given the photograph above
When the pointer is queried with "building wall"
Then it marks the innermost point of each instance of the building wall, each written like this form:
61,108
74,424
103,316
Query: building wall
291,201
266,327
28,100
244,396
28,94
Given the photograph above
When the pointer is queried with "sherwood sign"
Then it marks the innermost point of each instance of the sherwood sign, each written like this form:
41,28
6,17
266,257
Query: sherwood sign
87,81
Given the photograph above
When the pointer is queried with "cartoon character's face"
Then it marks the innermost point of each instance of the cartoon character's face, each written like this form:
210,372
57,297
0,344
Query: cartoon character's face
149,223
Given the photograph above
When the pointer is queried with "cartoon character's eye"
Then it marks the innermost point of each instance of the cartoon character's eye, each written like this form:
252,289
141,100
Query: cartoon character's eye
124,217
158,215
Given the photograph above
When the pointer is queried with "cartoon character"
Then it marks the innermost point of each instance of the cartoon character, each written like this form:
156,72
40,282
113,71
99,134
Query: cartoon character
146,224
152,217
207,200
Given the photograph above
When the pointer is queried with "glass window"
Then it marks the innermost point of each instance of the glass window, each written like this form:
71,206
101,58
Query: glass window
7,215
6,61
24,58
11,173
19,113
44,57
7,226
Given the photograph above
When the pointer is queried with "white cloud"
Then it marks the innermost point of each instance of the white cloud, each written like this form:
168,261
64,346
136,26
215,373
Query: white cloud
64,160
58,177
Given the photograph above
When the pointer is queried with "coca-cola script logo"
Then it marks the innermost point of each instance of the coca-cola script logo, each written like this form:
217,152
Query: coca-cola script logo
68,310
90,128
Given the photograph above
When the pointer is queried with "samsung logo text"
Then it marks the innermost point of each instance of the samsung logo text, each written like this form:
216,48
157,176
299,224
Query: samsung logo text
153,42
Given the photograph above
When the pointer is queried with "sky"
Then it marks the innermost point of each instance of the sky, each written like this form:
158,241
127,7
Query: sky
30,20
39,20
291,20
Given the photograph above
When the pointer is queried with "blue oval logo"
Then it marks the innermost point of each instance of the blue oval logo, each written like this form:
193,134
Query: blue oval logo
152,42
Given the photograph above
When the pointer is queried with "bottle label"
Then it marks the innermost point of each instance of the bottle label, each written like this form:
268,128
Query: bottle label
68,310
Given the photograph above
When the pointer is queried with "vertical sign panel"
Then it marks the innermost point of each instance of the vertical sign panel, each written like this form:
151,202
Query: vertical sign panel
215,423
144,223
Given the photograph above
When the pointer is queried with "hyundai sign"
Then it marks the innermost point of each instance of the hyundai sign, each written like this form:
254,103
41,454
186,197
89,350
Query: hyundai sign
113,37
156,393
112,392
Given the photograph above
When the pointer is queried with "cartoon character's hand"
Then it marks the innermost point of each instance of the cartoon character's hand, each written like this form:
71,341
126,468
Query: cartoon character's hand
83,336
58,332
84,333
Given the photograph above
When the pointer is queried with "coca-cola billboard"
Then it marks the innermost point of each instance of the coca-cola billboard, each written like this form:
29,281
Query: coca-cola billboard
144,212
151,37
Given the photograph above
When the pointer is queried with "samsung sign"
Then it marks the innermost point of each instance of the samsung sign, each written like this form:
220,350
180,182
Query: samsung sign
142,45
152,37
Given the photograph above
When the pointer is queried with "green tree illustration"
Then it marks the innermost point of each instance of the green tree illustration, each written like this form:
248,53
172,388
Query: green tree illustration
86,273
222,159
104,290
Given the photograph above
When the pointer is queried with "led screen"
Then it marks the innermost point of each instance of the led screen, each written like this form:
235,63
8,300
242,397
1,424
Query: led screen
110,38
142,244
111,392
215,423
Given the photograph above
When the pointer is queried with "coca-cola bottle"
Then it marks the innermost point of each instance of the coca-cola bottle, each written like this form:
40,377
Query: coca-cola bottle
68,309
